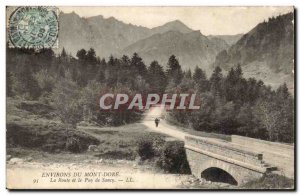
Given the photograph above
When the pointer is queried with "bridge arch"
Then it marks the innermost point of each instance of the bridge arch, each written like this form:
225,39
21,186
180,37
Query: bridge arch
214,167
216,174
209,157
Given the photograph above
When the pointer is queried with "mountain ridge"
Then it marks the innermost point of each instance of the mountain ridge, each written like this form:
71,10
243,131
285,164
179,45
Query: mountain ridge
269,44
109,36
192,49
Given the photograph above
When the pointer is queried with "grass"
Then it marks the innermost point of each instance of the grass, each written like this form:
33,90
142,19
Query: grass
270,181
120,142
29,128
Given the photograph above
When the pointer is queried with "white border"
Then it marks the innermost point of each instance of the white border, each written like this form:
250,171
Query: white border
4,3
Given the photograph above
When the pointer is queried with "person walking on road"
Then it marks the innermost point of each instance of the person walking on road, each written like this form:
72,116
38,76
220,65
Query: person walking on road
156,122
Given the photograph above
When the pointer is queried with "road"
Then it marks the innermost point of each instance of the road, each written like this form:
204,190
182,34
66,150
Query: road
163,127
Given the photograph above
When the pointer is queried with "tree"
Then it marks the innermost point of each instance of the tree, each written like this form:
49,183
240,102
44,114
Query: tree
9,84
25,84
90,95
174,71
81,54
92,67
125,72
249,125
199,77
277,116
282,92
138,64
63,53
235,85
216,81
188,74
91,56
67,101
156,78
45,81
111,72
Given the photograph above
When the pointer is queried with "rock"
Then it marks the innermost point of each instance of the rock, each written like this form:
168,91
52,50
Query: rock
120,161
29,159
99,161
8,157
195,180
93,148
16,160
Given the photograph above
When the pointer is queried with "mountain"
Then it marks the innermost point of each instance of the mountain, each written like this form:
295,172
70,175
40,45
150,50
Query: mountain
191,48
172,26
109,36
106,36
266,52
229,39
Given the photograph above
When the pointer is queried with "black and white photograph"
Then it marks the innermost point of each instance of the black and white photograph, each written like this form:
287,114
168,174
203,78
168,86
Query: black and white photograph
150,98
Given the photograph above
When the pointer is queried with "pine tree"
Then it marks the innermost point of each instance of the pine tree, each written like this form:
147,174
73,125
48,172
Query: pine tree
81,54
174,71
188,74
216,81
138,64
156,78
200,79
91,56
63,53
26,84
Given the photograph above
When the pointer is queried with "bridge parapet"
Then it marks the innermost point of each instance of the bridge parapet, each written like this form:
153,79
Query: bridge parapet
225,149
206,154
277,154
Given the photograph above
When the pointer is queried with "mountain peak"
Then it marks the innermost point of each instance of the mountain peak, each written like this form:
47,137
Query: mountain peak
176,22
175,25
71,14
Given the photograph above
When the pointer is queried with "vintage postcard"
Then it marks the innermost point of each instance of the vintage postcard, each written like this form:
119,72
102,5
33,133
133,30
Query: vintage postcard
150,98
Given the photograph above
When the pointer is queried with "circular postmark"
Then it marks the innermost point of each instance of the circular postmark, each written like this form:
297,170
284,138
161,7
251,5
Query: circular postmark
33,27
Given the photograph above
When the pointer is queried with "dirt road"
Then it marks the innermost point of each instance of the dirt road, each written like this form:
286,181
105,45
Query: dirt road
163,127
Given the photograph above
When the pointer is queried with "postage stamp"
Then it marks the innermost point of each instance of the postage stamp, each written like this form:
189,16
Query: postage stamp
33,27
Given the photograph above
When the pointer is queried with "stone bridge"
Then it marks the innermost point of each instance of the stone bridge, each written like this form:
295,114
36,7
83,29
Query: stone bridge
222,161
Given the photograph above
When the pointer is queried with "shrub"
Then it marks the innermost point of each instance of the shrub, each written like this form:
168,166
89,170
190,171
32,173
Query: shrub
73,144
173,158
48,137
67,103
270,181
145,149
150,146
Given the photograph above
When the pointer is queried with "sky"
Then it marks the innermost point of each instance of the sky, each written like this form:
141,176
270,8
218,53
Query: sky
209,20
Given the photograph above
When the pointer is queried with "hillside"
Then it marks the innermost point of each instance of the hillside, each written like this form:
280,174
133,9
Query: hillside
229,39
190,48
106,36
111,36
266,52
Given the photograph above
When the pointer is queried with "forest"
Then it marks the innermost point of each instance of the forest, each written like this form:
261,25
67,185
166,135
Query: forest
230,103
